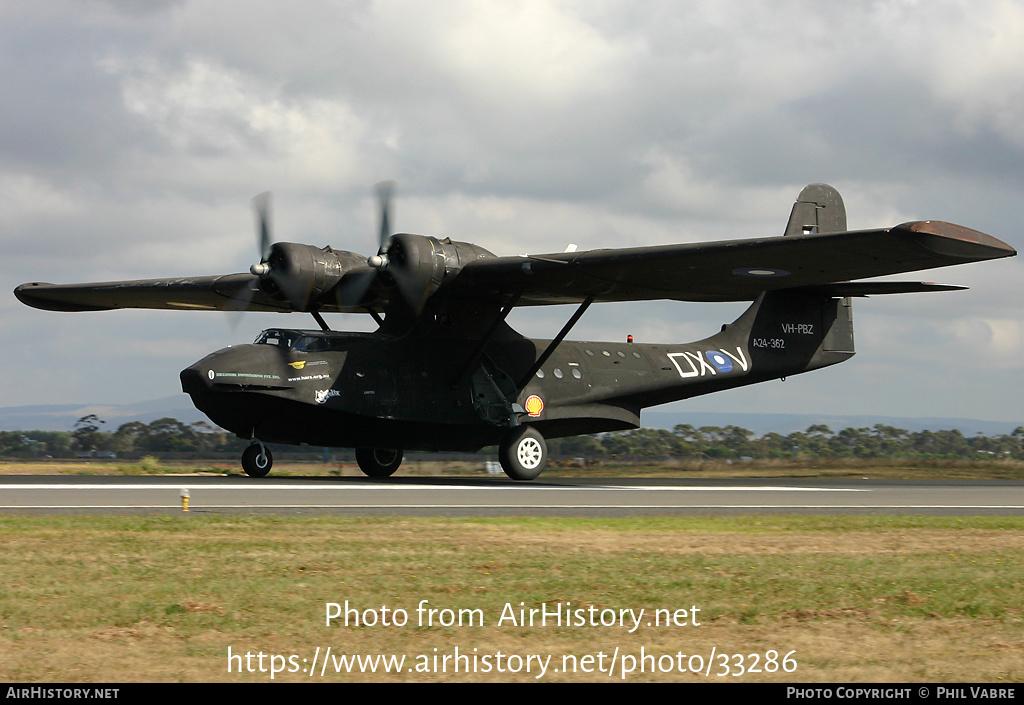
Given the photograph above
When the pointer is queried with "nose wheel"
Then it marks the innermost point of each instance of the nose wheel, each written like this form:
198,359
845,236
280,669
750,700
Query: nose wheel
523,454
257,460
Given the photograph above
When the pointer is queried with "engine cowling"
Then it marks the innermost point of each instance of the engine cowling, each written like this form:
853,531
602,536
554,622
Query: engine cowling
301,274
415,267
419,265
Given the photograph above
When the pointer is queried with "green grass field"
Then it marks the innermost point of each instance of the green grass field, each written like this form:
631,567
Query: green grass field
120,599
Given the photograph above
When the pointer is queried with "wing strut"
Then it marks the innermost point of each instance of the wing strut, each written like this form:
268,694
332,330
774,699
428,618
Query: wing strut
554,343
375,316
475,357
320,319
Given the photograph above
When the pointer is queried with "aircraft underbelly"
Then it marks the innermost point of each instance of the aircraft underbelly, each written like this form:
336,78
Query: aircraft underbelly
278,419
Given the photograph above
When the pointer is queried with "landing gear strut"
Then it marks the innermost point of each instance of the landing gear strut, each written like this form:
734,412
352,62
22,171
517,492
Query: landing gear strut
523,454
378,462
257,460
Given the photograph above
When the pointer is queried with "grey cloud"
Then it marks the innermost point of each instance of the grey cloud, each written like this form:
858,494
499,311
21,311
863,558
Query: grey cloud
628,124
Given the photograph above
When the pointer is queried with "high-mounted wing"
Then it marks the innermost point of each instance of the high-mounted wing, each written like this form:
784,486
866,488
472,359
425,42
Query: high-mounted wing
816,252
734,270
224,293
229,292
289,277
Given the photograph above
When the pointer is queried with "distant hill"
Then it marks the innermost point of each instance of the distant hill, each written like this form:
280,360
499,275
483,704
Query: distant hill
62,418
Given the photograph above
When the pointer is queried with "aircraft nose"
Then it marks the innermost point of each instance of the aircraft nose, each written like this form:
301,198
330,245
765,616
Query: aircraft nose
242,367
193,380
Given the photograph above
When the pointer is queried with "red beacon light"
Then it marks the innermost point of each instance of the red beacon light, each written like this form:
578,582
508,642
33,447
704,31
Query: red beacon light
629,338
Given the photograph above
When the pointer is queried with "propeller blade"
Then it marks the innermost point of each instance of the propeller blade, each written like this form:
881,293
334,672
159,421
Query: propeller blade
261,211
273,266
411,287
239,304
261,208
351,291
385,190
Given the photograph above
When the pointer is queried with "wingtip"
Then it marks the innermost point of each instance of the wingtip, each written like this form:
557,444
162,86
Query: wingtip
34,294
23,295
953,239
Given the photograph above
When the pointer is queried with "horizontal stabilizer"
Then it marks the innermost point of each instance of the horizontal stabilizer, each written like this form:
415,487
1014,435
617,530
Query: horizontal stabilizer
843,289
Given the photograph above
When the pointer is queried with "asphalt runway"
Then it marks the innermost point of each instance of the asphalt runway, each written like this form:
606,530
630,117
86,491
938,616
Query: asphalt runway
464,497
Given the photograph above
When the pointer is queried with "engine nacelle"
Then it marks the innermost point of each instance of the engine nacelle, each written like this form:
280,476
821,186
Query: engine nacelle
300,274
419,265
416,265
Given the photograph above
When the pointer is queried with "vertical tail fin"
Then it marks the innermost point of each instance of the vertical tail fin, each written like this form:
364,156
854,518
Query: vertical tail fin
791,331
818,209
783,333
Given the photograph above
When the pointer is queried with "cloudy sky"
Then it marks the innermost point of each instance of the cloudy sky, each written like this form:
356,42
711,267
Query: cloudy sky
133,135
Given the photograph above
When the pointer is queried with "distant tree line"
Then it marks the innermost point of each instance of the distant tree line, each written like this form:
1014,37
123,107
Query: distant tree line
165,435
818,441
169,435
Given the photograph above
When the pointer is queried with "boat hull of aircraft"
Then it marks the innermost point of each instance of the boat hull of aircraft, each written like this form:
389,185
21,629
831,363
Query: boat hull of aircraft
355,390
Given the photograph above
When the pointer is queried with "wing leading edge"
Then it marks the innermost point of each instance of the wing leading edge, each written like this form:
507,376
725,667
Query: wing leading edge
226,292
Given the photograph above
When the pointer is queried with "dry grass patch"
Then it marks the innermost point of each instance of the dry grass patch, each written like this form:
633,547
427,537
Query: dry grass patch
856,598
875,468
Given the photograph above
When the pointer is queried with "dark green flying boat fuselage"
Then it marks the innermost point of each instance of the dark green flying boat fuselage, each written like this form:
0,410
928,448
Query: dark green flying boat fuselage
340,389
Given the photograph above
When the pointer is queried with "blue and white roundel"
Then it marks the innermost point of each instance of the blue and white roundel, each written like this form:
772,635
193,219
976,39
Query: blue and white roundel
720,360
760,272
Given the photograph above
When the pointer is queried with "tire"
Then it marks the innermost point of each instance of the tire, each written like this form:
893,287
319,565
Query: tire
523,454
378,462
257,460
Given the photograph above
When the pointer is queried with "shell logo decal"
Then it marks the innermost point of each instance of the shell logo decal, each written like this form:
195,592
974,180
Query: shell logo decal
534,405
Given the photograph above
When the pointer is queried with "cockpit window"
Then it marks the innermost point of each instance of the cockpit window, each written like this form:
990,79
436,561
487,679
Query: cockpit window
302,342
282,338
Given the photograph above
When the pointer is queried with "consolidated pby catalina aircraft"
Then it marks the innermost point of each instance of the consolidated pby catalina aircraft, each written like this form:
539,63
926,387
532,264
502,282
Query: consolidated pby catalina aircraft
444,371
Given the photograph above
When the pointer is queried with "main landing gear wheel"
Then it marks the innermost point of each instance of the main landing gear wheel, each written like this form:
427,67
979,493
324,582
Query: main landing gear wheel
378,462
257,460
523,454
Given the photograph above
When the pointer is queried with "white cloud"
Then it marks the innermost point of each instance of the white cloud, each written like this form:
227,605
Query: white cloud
994,342
234,129
974,64
521,57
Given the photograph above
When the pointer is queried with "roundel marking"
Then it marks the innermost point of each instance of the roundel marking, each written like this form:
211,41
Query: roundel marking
760,272
211,374
534,405
720,360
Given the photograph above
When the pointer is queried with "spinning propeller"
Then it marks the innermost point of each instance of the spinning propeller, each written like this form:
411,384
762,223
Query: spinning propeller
283,264
405,262
306,277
